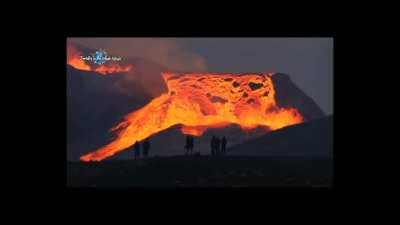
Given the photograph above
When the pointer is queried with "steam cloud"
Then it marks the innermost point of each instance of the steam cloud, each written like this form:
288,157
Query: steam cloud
164,51
149,56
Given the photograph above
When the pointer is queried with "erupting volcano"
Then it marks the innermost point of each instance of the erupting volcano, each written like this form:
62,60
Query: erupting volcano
200,101
74,60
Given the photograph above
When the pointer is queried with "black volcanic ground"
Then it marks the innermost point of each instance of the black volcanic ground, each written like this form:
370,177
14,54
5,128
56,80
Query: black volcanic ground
204,171
271,160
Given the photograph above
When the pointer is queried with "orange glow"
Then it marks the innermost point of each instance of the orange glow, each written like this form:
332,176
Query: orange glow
74,60
113,68
202,101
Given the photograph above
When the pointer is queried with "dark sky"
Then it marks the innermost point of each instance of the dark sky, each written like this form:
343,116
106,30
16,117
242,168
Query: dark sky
308,61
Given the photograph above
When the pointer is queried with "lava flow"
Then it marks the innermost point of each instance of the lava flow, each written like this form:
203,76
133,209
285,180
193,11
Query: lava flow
74,60
201,101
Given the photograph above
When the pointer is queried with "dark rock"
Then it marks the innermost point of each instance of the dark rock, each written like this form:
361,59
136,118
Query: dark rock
314,138
288,95
218,99
255,86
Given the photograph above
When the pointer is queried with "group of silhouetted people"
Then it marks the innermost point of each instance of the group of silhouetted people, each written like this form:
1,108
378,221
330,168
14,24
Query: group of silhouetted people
137,149
218,146
189,144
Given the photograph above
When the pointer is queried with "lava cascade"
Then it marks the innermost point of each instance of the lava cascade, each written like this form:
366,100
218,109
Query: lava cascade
201,101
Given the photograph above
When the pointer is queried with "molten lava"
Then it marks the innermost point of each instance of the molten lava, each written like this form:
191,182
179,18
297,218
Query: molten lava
113,68
201,101
74,60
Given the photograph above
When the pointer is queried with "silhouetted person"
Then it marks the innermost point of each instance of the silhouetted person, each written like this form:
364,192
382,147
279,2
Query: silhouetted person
217,146
146,147
137,149
191,144
188,144
212,145
223,146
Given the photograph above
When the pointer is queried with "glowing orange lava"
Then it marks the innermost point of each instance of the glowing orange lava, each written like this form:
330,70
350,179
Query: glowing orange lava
113,68
74,60
201,101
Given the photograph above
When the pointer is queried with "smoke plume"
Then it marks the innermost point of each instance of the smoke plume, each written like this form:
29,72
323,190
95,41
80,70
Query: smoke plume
164,51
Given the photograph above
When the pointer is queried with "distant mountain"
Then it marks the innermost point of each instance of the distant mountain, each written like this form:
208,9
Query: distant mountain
287,94
314,138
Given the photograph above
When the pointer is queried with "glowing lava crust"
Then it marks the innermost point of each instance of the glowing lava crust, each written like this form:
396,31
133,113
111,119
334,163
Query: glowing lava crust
201,101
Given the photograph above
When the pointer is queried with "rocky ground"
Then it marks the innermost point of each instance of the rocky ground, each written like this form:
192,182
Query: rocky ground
203,171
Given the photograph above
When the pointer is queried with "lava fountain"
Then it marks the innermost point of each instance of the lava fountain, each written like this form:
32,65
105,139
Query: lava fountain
200,101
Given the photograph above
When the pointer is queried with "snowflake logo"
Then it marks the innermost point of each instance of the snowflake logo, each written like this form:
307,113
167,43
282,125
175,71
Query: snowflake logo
99,57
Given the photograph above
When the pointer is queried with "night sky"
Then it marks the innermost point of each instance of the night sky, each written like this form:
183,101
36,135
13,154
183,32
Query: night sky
308,61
